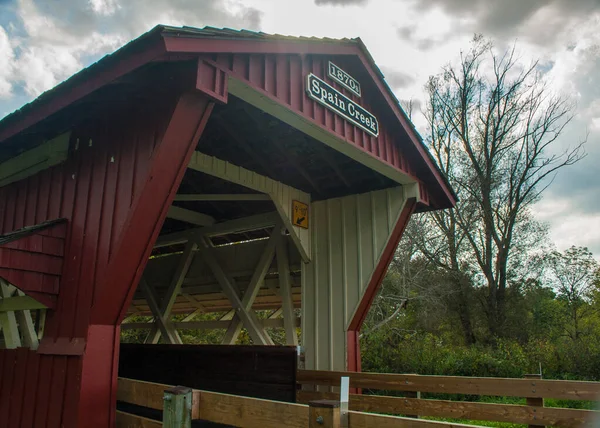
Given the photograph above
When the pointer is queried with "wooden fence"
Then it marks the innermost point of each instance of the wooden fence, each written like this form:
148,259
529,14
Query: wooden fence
181,406
534,390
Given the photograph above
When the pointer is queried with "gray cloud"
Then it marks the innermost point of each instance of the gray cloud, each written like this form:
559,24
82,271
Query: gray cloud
48,40
134,17
340,2
512,17
409,34
397,79
580,183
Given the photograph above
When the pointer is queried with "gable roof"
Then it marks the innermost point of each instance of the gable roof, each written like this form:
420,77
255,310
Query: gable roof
161,40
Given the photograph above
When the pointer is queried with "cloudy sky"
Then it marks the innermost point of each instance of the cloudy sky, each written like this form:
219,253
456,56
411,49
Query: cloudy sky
42,42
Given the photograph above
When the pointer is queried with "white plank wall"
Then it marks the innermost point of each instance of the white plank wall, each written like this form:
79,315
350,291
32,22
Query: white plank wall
281,194
349,235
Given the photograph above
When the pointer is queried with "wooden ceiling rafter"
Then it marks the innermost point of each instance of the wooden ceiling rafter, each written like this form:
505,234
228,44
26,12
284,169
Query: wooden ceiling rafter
244,146
251,114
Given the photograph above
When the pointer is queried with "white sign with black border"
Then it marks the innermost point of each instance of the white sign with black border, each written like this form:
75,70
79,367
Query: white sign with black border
340,104
343,78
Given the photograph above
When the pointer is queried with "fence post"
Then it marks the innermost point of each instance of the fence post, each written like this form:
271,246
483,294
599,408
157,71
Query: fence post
177,407
324,414
534,401
412,394
344,401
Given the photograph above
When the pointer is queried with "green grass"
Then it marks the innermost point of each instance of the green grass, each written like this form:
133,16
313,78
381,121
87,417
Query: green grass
478,423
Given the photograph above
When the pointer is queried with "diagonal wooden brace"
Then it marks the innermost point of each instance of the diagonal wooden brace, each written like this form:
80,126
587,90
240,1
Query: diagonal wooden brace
255,283
249,319
169,333
8,321
174,288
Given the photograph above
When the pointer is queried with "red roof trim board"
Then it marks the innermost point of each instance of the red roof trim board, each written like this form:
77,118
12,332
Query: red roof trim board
78,86
162,42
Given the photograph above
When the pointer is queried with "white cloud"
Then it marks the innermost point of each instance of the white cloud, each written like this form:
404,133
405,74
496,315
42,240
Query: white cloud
104,7
409,39
7,57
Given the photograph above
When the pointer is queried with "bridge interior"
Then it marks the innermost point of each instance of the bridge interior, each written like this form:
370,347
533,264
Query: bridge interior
225,247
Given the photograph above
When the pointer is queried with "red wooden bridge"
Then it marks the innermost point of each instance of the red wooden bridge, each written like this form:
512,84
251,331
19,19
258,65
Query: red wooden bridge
197,170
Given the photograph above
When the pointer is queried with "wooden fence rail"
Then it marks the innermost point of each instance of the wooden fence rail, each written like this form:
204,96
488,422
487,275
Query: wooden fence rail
561,389
534,390
247,412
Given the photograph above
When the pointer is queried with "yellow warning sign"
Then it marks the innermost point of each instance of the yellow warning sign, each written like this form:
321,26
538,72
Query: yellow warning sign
300,214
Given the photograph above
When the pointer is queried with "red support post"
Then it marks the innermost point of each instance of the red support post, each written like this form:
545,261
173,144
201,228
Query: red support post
97,398
352,338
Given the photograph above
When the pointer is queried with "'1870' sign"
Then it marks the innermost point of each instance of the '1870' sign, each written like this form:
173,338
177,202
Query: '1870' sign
340,104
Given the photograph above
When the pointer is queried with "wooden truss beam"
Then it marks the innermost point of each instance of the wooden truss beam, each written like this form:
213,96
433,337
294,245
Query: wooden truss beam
255,283
199,307
19,303
244,224
228,315
276,313
190,216
248,317
281,194
207,325
223,197
285,289
8,321
30,336
181,271
168,331
15,317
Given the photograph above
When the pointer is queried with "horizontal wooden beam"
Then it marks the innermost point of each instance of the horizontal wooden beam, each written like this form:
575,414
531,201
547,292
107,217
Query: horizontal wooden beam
213,287
44,156
190,216
141,393
207,325
244,224
233,410
129,420
223,197
20,303
281,194
512,413
560,389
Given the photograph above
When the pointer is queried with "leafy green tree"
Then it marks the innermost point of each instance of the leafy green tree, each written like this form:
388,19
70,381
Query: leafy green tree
574,274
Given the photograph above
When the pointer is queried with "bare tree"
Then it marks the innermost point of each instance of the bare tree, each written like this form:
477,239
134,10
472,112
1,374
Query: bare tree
493,127
408,280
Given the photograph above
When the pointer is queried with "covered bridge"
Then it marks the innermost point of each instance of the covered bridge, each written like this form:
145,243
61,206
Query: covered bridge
197,170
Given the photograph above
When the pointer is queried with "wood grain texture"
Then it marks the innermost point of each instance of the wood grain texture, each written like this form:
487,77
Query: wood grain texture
568,418
145,394
324,413
560,389
127,420
360,420
250,412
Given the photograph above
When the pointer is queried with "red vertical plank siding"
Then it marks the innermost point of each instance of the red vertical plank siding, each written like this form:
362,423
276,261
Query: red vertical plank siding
57,390
282,78
95,189
8,370
14,416
31,385
44,390
131,251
